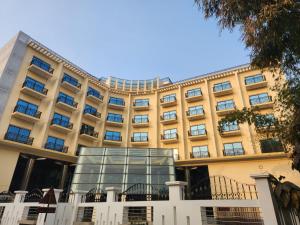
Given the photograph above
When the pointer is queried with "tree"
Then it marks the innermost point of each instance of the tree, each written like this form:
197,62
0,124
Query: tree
271,30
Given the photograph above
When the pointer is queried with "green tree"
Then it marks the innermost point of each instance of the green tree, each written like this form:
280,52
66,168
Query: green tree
271,30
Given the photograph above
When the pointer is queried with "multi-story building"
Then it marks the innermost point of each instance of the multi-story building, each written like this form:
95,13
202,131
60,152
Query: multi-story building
50,107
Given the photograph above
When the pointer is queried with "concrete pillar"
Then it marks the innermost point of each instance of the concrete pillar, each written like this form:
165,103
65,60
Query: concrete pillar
176,190
27,173
266,200
20,196
188,181
112,194
78,195
64,176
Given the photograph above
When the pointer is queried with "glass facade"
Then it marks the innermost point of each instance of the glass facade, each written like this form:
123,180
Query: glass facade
122,167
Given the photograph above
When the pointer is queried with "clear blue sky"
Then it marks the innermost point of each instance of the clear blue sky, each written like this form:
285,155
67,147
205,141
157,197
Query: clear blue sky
133,39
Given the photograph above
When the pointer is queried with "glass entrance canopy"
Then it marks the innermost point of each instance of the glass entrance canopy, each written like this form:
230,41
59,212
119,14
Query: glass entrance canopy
122,167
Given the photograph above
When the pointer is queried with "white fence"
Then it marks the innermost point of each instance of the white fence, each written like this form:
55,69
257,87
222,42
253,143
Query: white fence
175,211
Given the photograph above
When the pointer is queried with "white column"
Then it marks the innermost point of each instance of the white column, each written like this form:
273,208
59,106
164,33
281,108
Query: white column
112,194
266,200
176,190
78,195
20,196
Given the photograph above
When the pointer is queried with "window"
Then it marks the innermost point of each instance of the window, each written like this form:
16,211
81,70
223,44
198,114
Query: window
193,92
223,105
231,126
148,84
198,130
113,82
18,134
120,84
87,129
222,86
140,137
27,108
271,145
90,110
70,80
141,102
112,117
200,151
94,92
169,98
169,115
61,120
42,64
55,143
34,85
254,79
113,136
195,110
127,85
261,98
267,120
116,101
62,97
141,85
232,149
140,119
170,134
134,85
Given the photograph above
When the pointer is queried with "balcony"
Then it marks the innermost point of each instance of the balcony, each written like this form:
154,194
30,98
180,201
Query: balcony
193,97
56,147
197,135
223,91
10,136
37,68
26,113
61,125
221,111
89,135
66,105
112,140
255,83
167,103
114,122
233,152
97,98
169,139
72,86
194,155
231,133
168,119
33,91
140,106
141,141
262,103
117,106
195,115
91,115
140,123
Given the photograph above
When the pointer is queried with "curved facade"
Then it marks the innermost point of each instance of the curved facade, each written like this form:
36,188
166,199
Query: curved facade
53,107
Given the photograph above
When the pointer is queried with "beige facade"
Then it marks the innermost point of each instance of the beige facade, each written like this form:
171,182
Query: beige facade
237,166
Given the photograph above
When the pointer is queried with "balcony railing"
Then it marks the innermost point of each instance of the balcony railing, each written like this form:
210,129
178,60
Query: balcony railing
56,147
72,82
169,117
117,102
35,86
134,120
233,152
94,94
199,155
255,79
114,119
92,112
41,64
89,132
67,101
28,111
18,138
197,132
141,104
195,112
63,123
260,100
228,128
225,106
168,99
193,94
223,87
139,139
169,136
112,138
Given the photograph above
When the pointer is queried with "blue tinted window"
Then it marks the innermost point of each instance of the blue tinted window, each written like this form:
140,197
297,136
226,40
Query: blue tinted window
140,119
222,86
258,99
18,134
198,129
196,110
222,105
40,63
169,115
112,135
114,117
116,101
254,79
55,143
93,92
194,92
90,109
70,79
62,97
169,98
33,84
26,108
61,120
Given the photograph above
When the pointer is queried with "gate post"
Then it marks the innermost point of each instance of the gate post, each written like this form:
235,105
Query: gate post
112,194
176,190
266,200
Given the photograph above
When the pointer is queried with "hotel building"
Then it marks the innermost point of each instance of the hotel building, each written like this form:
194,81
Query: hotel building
50,108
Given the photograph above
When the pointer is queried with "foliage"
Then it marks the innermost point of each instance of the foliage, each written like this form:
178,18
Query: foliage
271,29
